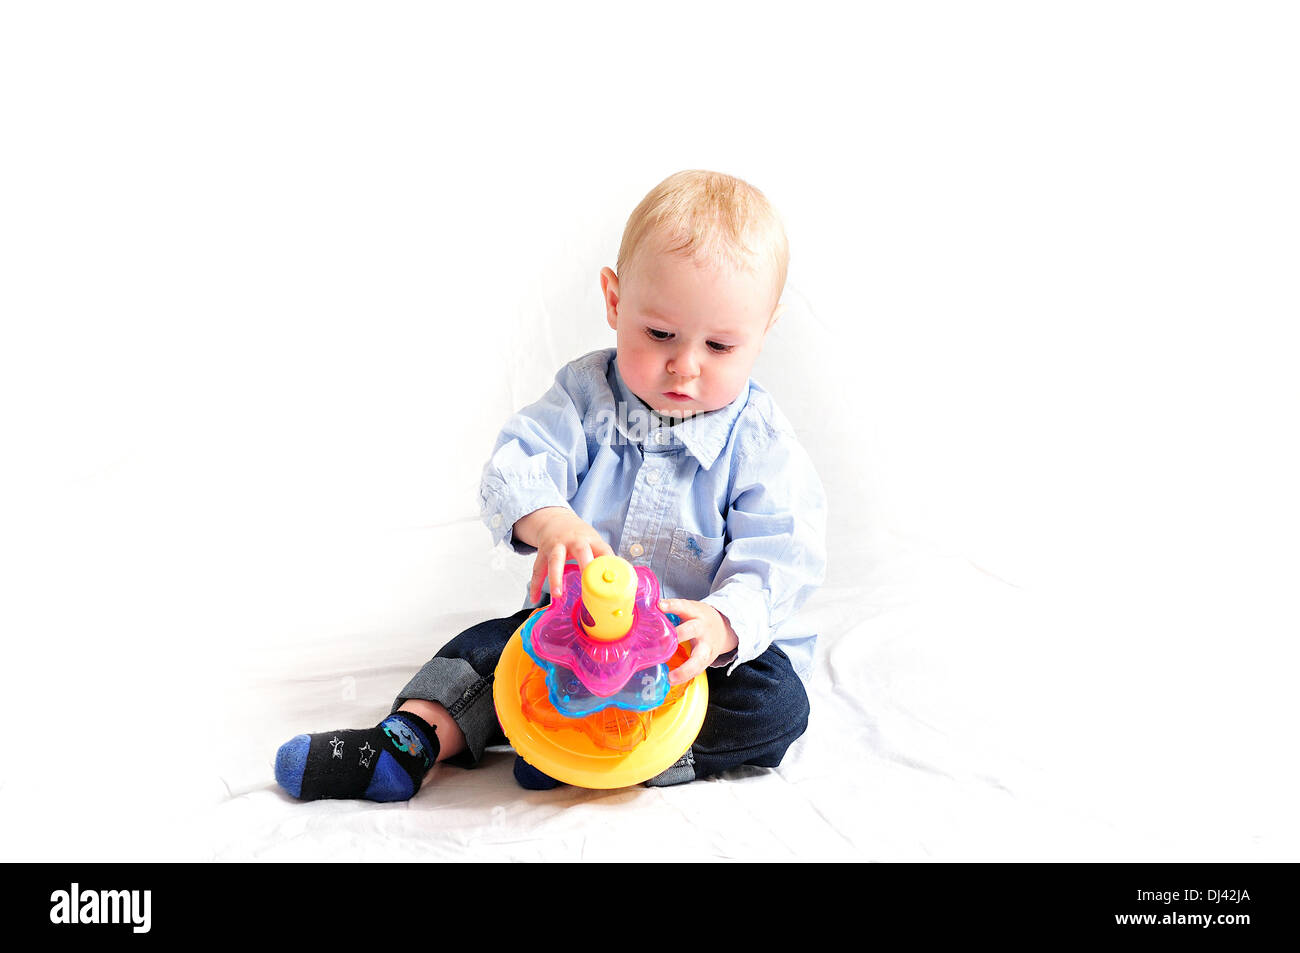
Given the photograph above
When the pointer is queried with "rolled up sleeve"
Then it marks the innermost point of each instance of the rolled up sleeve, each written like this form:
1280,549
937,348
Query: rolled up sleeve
538,460
775,557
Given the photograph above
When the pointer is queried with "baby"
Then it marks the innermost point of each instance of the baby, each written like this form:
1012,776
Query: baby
660,450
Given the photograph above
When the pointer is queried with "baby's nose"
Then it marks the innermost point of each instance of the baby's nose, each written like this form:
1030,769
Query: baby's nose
684,365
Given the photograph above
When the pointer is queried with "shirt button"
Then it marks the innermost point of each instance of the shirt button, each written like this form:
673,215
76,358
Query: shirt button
636,549
652,477
496,520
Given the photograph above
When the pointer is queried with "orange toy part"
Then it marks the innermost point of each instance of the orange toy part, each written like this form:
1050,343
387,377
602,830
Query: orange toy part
612,728
632,748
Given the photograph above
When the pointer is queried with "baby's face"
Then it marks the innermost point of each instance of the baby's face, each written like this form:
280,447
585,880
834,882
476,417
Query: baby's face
688,335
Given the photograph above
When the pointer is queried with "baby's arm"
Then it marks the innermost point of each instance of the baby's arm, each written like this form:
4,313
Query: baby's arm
558,534
539,459
776,551
708,630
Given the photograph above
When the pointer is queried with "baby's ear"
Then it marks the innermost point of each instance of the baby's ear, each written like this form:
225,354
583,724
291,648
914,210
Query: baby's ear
776,315
609,291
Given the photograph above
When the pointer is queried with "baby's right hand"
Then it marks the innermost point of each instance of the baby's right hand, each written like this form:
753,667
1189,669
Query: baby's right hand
559,535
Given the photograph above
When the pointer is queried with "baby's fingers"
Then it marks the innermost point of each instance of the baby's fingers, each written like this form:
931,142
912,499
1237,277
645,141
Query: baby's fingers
686,630
549,564
556,563
539,573
697,663
589,549
682,608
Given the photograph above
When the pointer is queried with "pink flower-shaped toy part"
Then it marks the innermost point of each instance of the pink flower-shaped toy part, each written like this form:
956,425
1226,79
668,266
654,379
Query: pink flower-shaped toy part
605,667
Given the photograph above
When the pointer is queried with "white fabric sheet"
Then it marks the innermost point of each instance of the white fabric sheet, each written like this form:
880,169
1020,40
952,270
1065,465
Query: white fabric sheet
257,268
955,715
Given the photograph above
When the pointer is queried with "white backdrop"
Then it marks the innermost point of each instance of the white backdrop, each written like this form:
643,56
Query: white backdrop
262,265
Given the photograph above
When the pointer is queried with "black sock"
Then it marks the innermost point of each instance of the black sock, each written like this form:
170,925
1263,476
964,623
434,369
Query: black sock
383,763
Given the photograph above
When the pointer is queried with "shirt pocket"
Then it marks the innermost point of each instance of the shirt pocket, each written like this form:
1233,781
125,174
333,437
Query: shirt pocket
692,563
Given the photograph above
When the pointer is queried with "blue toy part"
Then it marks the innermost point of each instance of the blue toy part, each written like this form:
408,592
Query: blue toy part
644,691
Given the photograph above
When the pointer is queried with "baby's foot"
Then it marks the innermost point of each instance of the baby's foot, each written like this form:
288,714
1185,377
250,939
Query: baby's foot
532,779
384,763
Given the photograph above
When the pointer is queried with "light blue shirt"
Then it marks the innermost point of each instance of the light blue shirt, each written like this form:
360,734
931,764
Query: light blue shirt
725,507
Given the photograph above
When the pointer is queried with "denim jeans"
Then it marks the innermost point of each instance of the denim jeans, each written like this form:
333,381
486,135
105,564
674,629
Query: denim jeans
754,714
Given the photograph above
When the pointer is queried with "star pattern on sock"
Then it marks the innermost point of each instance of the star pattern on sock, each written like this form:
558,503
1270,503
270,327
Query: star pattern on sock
311,767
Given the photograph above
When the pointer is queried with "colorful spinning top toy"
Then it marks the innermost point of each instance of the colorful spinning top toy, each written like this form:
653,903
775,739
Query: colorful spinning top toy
582,690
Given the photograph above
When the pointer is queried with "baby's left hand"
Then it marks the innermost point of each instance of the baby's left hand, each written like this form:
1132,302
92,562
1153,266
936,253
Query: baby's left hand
707,628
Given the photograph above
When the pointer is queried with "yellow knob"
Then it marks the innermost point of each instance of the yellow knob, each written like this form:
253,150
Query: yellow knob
608,595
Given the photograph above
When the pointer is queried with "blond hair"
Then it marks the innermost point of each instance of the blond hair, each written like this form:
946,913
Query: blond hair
709,217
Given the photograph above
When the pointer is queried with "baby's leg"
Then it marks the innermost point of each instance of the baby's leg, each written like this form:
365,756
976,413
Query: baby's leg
451,740
384,763
458,683
444,712
754,715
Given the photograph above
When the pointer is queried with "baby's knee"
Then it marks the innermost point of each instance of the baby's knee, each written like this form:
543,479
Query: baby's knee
776,686
765,695
794,709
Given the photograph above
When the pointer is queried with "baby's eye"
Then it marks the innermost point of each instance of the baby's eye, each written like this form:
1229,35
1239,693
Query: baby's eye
720,348
658,335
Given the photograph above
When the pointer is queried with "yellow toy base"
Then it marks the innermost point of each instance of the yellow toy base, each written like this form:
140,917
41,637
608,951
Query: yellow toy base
570,756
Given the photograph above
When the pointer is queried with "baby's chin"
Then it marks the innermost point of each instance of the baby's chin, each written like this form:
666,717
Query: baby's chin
683,410
692,408
686,410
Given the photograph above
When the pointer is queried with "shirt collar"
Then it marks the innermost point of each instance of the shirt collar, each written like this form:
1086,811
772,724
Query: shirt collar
703,435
